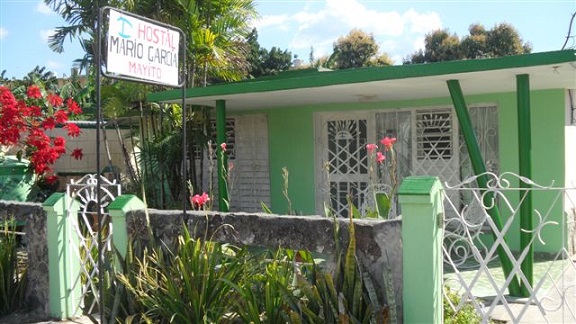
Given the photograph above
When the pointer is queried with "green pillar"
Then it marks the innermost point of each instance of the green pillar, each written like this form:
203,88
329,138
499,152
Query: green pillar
525,170
118,210
223,202
63,262
482,180
422,206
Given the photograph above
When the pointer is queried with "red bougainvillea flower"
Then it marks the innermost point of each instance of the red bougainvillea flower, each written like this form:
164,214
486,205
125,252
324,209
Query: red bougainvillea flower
380,157
73,129
55,100
200,200
24,119
388,142
223,146
51,179
33,92
48,123
61,116
73,107
371,147
77,154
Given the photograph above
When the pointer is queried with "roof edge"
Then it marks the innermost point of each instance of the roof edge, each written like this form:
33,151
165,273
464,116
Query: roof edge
328,78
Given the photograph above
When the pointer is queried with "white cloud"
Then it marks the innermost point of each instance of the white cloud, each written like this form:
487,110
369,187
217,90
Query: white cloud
422,22
46,33
42,8
321,23
3,32
418,43
53,65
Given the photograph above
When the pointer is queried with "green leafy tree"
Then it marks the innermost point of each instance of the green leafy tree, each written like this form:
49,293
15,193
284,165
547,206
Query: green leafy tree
264,62
502,40
354,50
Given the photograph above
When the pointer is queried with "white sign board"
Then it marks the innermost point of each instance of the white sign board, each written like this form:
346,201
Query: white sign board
140,49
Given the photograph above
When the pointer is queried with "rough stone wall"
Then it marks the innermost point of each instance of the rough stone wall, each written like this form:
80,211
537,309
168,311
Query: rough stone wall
35,239
379,245
378,242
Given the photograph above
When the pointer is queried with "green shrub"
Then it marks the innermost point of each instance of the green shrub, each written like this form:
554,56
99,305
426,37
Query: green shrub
465,315
12,278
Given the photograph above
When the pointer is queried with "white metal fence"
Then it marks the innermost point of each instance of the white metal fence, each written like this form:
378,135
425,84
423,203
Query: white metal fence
472,266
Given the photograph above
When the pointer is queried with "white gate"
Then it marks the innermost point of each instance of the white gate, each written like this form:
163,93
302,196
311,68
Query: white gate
471,239
87,227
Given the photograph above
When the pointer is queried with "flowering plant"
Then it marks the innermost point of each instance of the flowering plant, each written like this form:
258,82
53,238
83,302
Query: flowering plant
200,201
383,200
25,116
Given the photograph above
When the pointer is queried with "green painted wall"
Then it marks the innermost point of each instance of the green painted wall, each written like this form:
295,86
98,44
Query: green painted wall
291,132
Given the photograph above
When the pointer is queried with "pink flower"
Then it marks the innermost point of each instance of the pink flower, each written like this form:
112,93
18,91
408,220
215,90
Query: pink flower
388,142
380,157
200,200
371,147
223,146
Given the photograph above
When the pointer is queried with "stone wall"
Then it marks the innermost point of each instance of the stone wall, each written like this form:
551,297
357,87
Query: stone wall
379,244
32,216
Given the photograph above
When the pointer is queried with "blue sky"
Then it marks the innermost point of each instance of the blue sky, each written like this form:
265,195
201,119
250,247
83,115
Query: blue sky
399,27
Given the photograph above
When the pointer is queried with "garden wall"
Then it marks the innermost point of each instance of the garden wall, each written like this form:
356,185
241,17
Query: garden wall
379,244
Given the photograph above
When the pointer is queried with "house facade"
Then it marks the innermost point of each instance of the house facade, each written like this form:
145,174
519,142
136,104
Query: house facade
315,126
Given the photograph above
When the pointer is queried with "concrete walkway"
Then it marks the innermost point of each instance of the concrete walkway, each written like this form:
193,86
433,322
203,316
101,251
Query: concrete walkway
558,304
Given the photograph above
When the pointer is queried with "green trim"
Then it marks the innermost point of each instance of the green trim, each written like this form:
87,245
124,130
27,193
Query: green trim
321,79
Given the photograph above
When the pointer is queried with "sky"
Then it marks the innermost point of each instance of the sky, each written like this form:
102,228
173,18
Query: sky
299,26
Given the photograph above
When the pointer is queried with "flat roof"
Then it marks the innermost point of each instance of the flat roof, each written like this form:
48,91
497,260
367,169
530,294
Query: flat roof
547,70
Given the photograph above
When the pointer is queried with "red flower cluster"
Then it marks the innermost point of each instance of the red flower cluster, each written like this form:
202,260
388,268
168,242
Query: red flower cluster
24,120
199,201
388,143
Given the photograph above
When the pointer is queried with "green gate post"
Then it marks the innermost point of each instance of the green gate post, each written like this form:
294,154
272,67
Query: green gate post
63,263
118,210
422,205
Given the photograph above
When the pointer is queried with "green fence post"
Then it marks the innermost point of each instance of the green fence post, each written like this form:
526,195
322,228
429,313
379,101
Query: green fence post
118,210
63,263
422,208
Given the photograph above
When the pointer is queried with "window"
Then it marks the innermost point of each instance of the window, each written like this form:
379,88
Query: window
434,135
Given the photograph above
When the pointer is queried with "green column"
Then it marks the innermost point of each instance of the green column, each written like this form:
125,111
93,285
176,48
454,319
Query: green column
525,170
118,210
482,180
223,202
421,202
63,261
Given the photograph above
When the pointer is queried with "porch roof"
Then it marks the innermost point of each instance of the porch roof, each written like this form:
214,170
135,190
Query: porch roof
547,70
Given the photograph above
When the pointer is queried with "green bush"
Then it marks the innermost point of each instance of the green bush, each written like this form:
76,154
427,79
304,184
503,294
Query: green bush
12,277
465,315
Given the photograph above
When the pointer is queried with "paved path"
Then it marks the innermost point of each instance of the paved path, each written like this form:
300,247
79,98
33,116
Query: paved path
559,303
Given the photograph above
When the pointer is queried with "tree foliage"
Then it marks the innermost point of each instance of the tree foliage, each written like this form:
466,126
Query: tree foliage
502,40
354,50
266,62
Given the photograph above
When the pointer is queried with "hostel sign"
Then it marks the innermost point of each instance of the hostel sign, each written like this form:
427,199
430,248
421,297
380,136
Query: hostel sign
143,49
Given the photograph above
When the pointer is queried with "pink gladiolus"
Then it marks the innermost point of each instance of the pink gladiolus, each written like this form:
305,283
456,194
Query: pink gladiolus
200,200
223,146
388,142
371,147
380,157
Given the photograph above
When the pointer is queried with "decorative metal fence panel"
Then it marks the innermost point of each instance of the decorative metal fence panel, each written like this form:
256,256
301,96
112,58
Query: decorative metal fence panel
472,267
87,226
